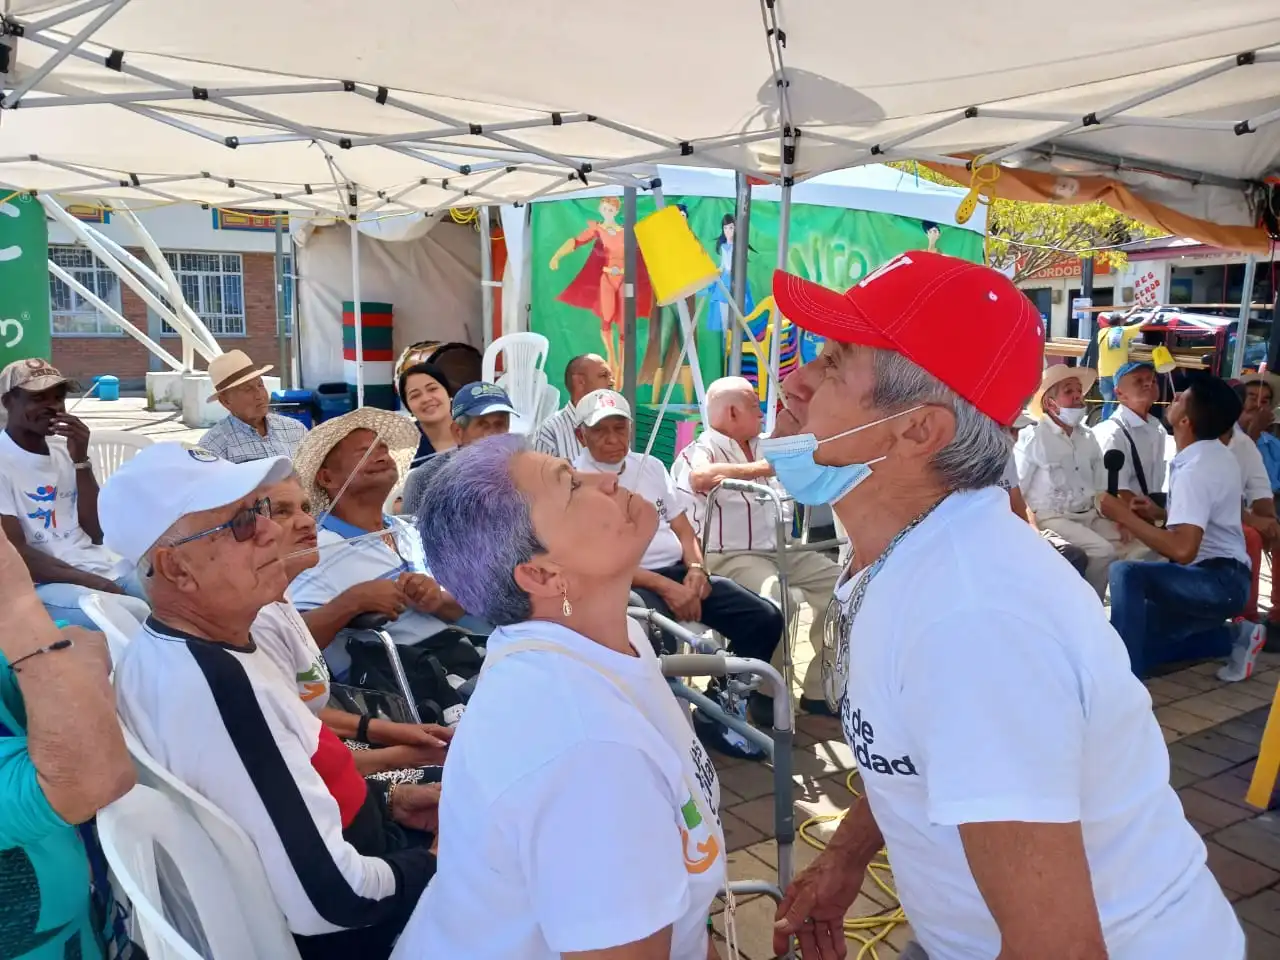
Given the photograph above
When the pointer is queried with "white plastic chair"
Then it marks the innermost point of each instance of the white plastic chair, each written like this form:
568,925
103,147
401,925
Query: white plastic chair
523,357
258,913
183,901
108,449
548,404
114,620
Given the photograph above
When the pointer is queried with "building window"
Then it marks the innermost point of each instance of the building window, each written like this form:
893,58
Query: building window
213,286
71,315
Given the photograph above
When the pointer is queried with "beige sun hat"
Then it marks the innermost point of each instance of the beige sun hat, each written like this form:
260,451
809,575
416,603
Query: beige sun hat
1055,375
400,434
231,369
1269,378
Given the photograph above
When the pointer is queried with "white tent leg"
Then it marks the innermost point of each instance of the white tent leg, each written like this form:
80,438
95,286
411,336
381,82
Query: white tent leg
487,283
1242,325
355,303
114,316
690,338
115,266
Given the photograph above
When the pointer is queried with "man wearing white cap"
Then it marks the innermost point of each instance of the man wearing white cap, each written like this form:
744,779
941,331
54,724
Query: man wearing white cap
346,860
49,497
249,431
1010,763
1060,473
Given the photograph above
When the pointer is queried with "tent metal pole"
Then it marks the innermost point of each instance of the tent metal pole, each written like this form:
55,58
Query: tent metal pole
741,235
1242,323
631,265
282,333
775,321
690,336
355,309
486,278
70,13
115,317
157,96
1222,66
64,50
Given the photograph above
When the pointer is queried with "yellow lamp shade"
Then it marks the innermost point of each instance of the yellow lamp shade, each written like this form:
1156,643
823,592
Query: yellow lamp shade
1162,359
677,263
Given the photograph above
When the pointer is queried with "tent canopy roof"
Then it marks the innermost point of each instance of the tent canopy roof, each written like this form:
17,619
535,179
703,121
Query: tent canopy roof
420,106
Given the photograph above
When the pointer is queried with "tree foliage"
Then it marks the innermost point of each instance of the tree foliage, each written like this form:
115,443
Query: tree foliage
1030,237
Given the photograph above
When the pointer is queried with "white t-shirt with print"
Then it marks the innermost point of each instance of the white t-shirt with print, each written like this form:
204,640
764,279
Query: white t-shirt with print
282,634
576,828
989,686
648,477
40,490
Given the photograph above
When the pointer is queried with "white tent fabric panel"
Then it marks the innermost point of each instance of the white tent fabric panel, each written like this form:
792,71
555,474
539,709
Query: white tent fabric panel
507,99
432,283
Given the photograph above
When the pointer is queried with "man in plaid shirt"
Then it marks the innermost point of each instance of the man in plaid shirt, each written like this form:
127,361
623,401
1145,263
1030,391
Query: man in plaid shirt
249,431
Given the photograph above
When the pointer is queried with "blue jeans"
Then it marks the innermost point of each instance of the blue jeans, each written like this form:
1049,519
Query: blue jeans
1167,611
1107,387
62,600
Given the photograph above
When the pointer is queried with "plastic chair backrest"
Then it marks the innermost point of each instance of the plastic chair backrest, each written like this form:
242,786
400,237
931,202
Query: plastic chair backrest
113,619
108,449
257,903
183,901
548,404
523,356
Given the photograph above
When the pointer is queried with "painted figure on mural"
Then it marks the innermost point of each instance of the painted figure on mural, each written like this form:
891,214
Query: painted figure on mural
663,354
932,232
718,315
598,286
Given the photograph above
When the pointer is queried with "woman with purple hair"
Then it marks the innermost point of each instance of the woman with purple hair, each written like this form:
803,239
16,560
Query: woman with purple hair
579,813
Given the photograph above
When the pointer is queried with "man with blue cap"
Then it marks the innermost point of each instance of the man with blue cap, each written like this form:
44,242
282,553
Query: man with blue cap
479,410
1140,436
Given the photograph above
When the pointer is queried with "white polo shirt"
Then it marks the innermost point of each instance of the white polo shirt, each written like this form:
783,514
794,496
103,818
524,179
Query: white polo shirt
739,521
1204,491
1059,475
989,687
647,477
1253,471
1149,437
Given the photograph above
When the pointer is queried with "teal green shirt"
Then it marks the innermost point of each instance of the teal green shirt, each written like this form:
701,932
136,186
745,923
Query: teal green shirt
44,873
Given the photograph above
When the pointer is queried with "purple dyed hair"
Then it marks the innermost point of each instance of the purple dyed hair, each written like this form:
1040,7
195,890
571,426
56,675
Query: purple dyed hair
476,529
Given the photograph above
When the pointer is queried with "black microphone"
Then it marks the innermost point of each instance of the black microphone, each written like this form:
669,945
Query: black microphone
1113,460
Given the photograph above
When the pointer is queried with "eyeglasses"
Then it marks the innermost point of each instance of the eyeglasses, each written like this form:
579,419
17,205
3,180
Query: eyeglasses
242,526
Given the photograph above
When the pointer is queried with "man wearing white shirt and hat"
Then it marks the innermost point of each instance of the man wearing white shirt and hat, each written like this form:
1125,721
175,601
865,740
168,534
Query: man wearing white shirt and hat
1010,762
249,431
1060,472
1138,434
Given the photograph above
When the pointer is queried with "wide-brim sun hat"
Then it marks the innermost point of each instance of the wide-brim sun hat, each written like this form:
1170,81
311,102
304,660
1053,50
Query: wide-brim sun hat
1054,375
400,434
232,369
1270,379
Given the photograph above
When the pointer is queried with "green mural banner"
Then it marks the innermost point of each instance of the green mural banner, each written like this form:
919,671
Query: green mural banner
576,282
24,280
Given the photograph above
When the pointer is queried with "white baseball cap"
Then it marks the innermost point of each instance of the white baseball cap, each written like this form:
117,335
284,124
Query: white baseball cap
599,404
164,482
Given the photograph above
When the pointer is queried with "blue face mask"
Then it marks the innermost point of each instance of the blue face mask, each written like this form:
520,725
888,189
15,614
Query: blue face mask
814,484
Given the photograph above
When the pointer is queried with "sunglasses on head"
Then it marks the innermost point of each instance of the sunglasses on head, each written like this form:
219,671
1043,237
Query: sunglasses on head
242,526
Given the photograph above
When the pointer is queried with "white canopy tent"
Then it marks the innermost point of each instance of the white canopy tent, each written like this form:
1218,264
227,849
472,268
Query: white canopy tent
341,106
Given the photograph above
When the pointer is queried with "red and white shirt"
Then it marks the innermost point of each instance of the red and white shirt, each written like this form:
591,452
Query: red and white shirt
738,521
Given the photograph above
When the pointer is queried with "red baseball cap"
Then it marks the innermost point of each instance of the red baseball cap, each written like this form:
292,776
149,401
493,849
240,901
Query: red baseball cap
963,322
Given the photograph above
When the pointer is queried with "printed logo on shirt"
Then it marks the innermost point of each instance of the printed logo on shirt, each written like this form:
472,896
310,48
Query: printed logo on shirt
202,455
47,516
700,843
861,735
312,682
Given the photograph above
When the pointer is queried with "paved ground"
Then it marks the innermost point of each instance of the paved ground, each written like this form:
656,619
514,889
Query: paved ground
1213,731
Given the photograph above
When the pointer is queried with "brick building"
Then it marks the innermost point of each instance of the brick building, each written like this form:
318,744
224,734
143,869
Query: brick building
227,276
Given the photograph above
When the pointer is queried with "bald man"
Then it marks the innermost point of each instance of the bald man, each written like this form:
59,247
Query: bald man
742,544
558,435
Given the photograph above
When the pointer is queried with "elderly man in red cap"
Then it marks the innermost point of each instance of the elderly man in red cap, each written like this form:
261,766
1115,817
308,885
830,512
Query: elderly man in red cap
1010,760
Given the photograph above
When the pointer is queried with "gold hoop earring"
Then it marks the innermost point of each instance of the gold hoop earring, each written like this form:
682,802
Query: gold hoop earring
567,607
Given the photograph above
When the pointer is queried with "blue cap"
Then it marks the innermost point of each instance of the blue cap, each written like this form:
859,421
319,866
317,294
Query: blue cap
1130,367
477,399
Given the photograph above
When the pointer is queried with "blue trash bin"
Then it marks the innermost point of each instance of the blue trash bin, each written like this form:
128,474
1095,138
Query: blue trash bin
333,400
108,387
295,404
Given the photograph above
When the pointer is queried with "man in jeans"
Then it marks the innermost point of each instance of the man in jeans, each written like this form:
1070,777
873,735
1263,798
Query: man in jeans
1178,611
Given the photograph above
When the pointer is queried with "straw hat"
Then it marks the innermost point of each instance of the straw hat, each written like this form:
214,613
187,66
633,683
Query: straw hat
400,434
1270,379
231,369
1055,375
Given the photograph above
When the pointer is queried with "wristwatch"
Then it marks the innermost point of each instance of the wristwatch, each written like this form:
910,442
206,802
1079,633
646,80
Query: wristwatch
697,566
83,464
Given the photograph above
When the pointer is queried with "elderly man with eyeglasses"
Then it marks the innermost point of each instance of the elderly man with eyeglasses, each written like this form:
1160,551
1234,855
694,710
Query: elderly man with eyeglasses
346,860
